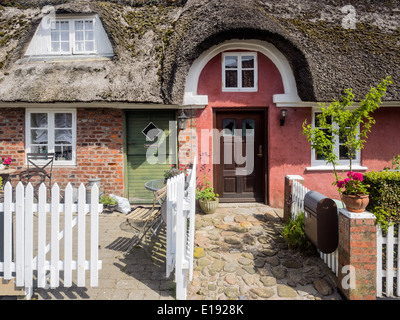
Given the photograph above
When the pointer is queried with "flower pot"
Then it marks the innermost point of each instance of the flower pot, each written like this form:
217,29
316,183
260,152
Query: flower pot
2,167
209,206
355,203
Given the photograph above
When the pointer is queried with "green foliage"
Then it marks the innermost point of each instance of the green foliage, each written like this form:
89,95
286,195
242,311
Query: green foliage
384,196
294,234
108,200
396,162
206,192
340,121
1,183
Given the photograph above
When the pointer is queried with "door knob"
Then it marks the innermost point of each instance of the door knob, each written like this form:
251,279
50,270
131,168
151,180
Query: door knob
260,154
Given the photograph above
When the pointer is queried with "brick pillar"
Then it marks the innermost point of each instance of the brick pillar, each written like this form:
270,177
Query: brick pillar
357,255
287,204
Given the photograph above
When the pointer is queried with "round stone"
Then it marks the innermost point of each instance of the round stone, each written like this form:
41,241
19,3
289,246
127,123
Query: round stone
263,292
199,252
268,281
273,261
231,293
286,291
279,272
231,267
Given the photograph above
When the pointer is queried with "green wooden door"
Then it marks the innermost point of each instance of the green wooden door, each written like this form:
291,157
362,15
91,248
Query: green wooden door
148,145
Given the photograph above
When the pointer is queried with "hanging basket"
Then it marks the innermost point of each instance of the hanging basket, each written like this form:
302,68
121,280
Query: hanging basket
355,203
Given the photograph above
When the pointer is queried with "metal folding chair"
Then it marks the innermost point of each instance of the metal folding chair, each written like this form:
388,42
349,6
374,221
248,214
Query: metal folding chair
39,169
145,222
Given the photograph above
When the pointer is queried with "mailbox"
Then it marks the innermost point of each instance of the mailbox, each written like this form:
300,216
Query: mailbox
321,221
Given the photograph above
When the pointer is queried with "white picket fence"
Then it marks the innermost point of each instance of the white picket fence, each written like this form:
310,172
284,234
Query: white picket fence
19,243
181,207
298,193
388,265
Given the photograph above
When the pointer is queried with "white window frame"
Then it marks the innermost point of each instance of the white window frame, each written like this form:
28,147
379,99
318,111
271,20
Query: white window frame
239,69
343,164
72,40
51,144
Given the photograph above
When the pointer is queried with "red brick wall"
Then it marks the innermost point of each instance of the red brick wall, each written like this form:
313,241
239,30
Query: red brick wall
357,248
99,147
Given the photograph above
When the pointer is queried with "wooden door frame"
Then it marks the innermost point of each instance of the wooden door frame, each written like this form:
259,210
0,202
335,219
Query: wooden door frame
264,112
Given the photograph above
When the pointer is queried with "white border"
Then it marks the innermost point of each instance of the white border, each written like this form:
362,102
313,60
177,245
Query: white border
74,129
290,94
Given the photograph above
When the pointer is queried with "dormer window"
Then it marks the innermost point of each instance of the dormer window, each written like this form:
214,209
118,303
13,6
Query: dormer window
70,35
239,71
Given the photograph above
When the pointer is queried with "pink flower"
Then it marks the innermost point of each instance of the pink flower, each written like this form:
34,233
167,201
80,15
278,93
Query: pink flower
358,176
340,184
350,173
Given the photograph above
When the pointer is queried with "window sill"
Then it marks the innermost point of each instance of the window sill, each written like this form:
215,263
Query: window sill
338,168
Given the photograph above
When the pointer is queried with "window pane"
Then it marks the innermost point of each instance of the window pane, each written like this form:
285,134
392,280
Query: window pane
55,36
231,62
247,78
64,25
55,46
89,35
78,25
63,153
39,149
64,36
63,120
248,127
328,119
79,46
64,46
89,25
247,62
231,79
38,120
39,136
79,36
229,126
63,136
89,46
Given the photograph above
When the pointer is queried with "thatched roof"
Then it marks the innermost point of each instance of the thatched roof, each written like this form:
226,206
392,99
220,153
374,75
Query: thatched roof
155,46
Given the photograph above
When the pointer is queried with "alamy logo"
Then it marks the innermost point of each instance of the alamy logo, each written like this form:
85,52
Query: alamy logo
237,149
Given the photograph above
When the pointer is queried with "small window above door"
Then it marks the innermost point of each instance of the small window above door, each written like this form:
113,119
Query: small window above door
239,71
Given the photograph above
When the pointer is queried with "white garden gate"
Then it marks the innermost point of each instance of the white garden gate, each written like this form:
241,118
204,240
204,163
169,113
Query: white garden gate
22,217
181,207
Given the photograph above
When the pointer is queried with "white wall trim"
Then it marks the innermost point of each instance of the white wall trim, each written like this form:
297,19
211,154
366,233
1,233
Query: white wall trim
289,83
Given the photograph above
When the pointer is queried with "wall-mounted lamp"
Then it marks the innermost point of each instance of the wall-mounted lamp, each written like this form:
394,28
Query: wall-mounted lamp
182,120
283,116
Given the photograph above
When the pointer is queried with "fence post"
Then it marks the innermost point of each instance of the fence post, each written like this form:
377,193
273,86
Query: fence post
357,251
287,206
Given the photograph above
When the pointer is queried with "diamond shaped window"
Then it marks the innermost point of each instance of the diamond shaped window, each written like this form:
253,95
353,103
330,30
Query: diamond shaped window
151,132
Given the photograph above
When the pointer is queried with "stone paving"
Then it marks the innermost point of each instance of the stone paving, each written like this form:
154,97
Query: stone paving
240,254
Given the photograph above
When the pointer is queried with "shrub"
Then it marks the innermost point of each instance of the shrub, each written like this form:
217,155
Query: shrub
384,196
294,234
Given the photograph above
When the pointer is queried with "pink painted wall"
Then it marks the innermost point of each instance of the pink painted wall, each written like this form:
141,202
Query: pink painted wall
288,150
293,155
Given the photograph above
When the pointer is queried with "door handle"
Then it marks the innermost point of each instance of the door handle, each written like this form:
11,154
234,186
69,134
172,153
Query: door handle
260,154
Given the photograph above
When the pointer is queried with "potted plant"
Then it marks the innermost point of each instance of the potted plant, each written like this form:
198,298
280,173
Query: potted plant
5,163
355,195
208,199
109,203
171,173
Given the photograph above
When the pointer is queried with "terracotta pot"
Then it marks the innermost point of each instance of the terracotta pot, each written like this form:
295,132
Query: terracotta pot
209,206
355,203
